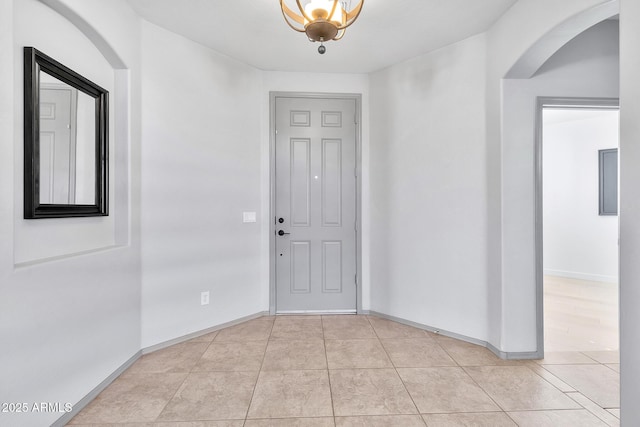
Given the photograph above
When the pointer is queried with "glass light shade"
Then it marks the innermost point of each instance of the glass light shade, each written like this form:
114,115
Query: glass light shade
321,9
339,16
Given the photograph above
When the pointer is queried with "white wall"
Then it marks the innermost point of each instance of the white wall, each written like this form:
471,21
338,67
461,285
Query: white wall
629,212
578,242
66,323
586,67
428,190
201,169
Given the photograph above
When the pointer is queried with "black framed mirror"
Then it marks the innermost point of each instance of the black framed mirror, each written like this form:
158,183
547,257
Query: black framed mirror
66,141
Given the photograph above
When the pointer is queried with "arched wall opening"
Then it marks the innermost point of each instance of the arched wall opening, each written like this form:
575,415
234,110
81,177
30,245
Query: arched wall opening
557,65
89,31
534,58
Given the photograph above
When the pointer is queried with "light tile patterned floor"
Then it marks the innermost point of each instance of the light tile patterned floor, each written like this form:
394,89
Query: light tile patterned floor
348,371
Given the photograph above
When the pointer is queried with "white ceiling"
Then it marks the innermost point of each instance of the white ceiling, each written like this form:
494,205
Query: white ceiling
387,31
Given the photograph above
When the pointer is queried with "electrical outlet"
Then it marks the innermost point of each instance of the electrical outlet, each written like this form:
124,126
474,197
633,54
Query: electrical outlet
204,298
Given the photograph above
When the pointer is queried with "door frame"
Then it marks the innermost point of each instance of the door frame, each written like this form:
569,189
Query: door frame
541,103
272,194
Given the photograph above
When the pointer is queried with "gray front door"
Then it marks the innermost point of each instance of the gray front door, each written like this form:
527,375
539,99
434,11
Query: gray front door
315,204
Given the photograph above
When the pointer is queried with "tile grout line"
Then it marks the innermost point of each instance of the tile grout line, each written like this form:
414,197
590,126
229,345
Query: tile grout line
326,358
575,390
549,382
474,381
556,377
264,355
183,381
396,371
606,365
448,354
587,409
482,388
587,356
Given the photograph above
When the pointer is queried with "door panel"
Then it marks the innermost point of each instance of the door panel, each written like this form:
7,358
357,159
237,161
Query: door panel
331,182
332,266
315,196
299,180
300,267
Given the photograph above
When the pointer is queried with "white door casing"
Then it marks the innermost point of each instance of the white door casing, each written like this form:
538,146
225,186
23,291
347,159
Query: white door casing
541,103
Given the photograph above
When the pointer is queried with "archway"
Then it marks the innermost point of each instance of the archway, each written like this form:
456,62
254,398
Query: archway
519,94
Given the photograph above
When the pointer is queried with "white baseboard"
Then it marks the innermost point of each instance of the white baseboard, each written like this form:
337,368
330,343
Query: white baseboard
192,335
314,312
501,354
63,420
581,276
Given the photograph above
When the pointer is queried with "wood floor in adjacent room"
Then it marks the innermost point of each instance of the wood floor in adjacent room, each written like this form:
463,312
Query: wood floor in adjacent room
580,315
347,371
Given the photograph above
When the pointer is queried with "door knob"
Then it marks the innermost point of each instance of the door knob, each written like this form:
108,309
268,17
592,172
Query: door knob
282,233
280,220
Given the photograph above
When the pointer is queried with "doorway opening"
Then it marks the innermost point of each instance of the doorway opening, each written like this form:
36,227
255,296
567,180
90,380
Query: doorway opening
577,224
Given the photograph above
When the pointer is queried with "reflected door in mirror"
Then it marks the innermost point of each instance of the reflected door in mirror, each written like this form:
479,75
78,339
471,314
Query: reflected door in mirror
67,154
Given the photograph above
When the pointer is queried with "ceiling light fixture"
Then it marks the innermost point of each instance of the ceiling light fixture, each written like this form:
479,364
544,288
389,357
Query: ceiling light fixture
321,20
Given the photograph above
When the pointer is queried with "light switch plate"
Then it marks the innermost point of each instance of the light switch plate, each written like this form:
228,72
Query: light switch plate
248,217
204,298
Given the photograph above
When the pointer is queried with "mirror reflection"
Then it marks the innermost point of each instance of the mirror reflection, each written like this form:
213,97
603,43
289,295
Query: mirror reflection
67,143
